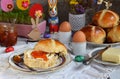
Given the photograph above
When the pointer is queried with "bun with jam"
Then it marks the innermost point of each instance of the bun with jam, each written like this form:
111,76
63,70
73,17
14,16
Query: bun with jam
45,54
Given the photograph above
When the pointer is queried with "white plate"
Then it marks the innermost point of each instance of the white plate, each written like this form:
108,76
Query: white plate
104,44
63,61
98,60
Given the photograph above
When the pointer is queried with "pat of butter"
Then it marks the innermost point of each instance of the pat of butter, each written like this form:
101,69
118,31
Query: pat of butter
111,55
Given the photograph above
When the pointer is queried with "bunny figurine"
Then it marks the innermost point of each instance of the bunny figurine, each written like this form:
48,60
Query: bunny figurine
53,19
35,33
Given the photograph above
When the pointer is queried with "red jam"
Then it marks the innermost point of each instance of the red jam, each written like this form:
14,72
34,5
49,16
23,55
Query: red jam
39,54
8,35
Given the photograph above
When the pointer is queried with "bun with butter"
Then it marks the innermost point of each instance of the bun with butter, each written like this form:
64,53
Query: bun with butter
45,54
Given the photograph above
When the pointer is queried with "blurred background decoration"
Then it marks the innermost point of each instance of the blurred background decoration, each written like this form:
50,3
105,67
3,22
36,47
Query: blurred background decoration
63,7
16,9
22,17
77,6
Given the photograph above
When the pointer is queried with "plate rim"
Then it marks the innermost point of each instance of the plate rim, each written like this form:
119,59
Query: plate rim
100,61
68,61
104,44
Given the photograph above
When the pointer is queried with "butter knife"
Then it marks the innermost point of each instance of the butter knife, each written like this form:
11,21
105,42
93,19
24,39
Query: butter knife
89,60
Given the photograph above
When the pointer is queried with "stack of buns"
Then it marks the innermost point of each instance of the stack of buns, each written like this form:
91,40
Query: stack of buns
104,28
45,54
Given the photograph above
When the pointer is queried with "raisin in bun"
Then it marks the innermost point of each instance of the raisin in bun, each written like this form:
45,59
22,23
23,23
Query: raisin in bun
94,34
114,35
105,18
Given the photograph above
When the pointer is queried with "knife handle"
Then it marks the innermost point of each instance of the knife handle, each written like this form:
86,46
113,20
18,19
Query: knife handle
89,60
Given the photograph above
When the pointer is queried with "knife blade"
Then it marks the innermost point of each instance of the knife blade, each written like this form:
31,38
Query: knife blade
89,60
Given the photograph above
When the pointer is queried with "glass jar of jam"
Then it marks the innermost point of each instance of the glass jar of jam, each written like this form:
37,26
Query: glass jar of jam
8,35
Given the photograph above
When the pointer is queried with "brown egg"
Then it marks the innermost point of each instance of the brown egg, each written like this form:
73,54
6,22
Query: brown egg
65,27
79,36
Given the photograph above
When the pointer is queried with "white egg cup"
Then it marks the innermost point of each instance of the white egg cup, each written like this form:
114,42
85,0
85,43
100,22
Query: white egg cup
79,48
64,37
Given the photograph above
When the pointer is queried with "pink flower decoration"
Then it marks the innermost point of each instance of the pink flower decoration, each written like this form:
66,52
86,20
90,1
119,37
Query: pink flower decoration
25,4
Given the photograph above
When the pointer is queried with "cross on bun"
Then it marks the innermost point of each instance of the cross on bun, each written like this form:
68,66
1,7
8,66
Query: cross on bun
94,34
105,18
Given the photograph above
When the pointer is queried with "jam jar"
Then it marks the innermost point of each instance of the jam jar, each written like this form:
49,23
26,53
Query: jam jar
8,35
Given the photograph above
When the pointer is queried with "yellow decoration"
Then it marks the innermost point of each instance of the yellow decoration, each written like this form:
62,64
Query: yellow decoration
73,2
23,4
38,13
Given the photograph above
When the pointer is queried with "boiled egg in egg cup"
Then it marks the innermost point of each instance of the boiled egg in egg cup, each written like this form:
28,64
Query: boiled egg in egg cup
78,43
65,33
